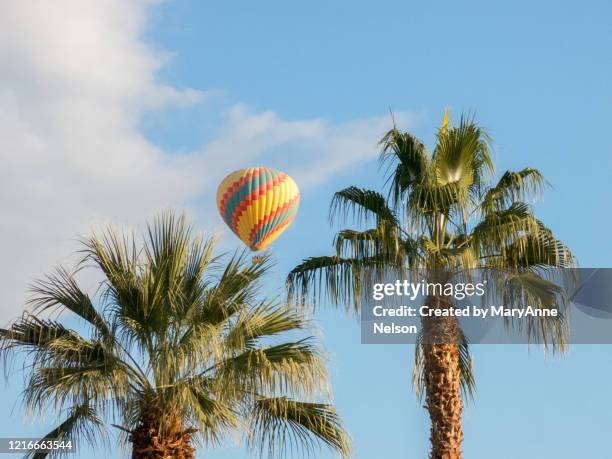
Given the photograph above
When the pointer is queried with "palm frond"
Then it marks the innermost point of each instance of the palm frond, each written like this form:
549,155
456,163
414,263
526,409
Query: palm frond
341,280
539,250
49,343
406,160
363,205
501,228
429,206
292,367
462,155
382,242
282,425
512,187
168,251
81,425
30,333
60,290
93,383
238,285
118,256
264,321
531,289
214,418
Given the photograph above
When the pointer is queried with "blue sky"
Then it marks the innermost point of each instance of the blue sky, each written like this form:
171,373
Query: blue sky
315,81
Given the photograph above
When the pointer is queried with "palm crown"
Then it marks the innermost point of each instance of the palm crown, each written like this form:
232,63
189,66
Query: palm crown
177,345
443,213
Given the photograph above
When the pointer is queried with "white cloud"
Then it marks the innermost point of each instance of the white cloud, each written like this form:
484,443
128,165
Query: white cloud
309,150
76,78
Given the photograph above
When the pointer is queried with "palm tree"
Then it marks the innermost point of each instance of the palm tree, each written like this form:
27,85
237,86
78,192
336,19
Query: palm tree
443,217
177,347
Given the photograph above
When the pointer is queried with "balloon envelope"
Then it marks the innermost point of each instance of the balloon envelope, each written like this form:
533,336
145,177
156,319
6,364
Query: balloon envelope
258,204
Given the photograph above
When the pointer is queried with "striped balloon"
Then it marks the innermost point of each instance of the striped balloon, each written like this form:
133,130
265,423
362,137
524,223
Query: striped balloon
258,204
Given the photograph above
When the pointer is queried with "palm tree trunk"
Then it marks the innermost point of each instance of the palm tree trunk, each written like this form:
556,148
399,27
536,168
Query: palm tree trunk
159,437
443,381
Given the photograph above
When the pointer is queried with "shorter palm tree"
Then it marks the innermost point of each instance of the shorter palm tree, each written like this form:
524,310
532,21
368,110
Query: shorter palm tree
176,348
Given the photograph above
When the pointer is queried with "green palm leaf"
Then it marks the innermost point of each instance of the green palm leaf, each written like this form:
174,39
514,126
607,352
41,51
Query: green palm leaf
281,424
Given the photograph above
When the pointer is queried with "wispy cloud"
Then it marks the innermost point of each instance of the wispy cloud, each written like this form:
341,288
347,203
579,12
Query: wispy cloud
77,77
312,150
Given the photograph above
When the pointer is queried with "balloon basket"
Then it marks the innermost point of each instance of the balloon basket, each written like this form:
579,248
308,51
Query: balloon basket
258,259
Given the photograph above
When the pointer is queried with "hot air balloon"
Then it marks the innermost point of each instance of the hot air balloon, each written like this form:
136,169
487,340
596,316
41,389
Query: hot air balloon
258,204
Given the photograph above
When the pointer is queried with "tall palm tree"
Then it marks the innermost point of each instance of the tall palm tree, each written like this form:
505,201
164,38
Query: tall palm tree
442,217
177,347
